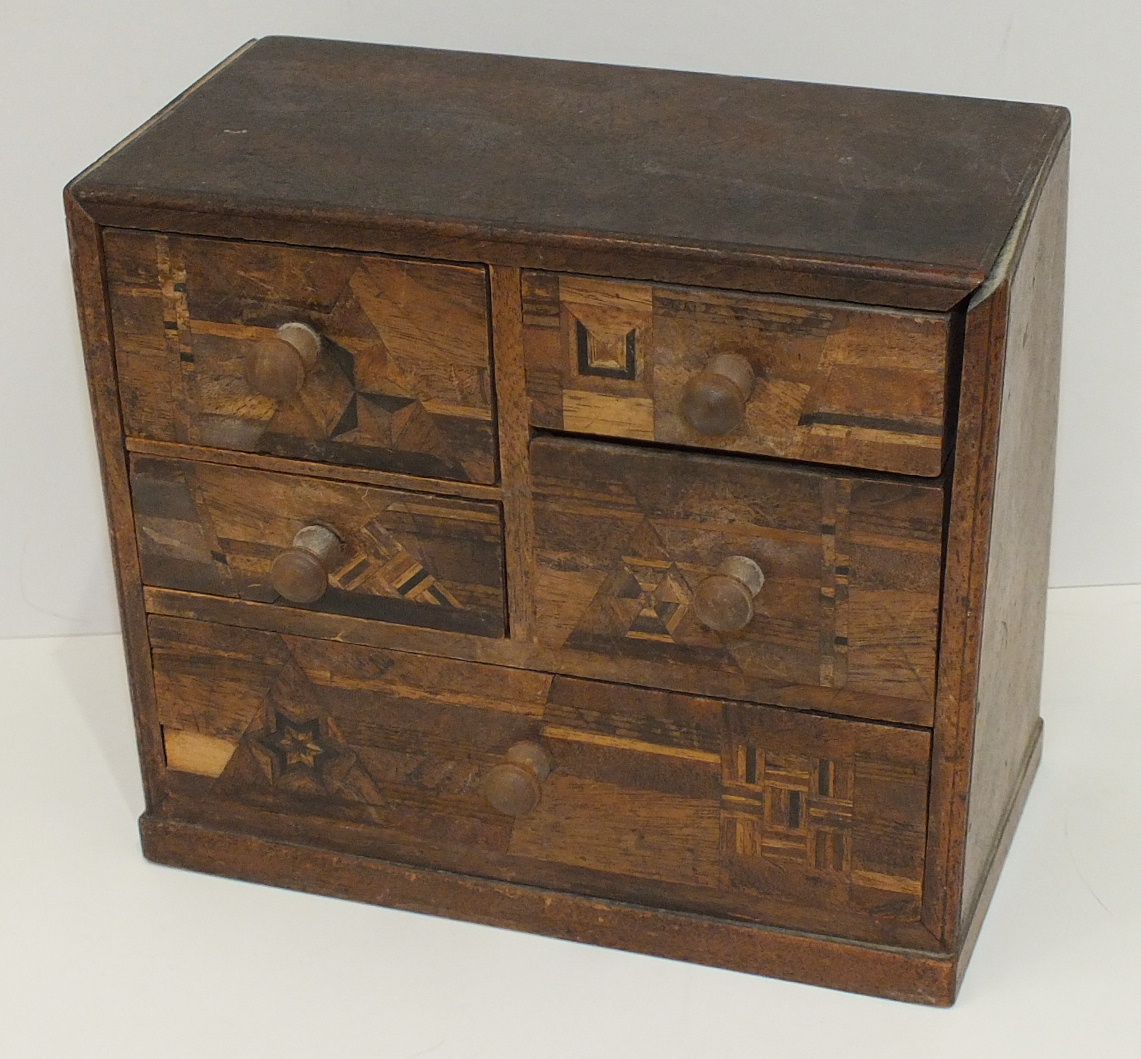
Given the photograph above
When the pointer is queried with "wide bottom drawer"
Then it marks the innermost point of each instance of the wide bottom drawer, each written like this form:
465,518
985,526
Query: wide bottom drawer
663,799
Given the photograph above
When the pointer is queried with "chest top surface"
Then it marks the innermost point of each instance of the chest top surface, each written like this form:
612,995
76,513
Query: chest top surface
511,147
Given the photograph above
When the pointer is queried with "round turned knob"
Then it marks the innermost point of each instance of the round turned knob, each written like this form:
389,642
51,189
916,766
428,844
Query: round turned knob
276,367
713,401
723,602
301,572
515,786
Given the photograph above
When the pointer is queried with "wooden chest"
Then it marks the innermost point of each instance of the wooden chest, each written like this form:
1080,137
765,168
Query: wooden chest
604,502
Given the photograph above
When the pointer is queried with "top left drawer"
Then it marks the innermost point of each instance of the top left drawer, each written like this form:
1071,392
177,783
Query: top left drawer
399,380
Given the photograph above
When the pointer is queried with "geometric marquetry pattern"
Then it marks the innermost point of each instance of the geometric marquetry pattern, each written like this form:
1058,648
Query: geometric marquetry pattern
625,537
790,807
402,379
378,560
609,357
644,597
297,747
587,368
385,750
415,560
827,810
837,384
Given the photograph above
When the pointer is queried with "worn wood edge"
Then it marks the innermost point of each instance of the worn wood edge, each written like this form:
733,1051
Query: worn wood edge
950,754
859,967
102,381
513,419
72,187
967,551
905,273
329,471
1058,136
1012,633
518,654
997,856
730,267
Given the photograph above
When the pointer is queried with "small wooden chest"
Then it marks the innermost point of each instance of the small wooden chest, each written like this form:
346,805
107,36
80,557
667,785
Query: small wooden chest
605,502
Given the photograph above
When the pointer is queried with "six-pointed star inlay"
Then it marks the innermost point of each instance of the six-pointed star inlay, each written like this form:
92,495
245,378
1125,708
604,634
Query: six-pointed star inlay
296,745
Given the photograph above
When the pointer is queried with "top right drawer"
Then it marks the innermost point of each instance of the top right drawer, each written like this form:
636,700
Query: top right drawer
854,385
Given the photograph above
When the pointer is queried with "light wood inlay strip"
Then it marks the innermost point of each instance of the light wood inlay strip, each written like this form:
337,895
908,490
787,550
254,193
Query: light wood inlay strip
892,883
514,449
555,731
333,472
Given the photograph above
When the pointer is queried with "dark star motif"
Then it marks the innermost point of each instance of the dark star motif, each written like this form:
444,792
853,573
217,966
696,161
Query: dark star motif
297,746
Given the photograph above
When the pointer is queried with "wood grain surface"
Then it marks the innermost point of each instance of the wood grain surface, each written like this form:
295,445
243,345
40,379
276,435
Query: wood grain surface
796,179
719,807
402,382
851,565
896,972
990,691
515,456
406,557
522,654
499,252
834,383
86,247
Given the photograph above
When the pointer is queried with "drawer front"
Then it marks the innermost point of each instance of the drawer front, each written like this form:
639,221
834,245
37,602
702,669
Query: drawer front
400,381
402,557
673,800
632,542
825,382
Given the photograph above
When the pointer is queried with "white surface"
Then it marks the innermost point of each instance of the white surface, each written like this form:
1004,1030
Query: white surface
76,77
107,955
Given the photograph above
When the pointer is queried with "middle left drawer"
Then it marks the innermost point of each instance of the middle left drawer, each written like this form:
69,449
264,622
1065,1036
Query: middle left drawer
390,555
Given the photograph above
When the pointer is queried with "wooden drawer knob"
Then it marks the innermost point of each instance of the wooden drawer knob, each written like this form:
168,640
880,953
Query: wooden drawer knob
723,602
277,366
515,786
301,572
713,401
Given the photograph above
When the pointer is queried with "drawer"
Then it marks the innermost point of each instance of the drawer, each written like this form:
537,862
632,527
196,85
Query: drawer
336,547
685,802
761,580
390,371
806,380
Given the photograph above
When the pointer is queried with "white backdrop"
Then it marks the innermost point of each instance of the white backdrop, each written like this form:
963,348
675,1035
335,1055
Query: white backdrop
77,77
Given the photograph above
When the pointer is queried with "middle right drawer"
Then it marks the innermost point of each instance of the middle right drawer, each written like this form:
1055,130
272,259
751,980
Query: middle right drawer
748,579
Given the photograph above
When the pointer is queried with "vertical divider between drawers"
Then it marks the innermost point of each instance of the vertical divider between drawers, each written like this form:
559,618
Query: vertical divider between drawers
514,449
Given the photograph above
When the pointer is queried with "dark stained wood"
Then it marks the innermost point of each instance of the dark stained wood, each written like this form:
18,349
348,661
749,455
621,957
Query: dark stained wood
405,557
514,451
975,912
559,740
722,806
897,973
402,381
335,471
851,566
1018,562
516,148
95,327
720,267
998,550
830,383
